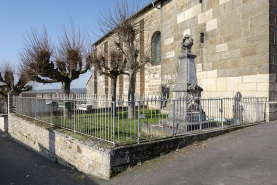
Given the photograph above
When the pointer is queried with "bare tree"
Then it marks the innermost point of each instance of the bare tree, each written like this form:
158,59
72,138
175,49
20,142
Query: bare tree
13,81
116,68
122,24
48,64
64,63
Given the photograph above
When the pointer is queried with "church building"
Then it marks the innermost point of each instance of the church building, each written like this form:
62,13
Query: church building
235,42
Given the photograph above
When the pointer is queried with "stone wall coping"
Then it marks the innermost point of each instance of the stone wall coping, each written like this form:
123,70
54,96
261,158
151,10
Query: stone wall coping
90,142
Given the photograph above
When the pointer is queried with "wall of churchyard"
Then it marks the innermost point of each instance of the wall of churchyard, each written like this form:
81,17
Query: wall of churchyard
148,79
61,148
234,56
89,155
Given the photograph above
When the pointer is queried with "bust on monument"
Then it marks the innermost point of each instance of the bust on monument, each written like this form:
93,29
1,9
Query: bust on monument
186,85
187,44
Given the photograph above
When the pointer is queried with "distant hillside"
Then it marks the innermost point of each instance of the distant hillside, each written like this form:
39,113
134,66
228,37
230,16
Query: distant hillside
76,90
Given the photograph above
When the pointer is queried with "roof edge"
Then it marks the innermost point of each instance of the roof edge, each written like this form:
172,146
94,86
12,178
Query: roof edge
144,9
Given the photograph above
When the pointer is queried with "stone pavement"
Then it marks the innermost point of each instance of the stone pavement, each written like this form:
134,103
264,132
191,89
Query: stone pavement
21,166
247,156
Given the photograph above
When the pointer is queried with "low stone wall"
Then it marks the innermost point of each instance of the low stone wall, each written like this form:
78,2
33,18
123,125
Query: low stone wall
131,155
92,156
4,123
61,148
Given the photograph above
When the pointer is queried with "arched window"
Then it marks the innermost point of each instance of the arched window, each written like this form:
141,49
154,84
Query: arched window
156,48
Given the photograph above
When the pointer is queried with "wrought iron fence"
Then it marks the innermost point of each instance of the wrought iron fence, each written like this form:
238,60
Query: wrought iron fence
151,117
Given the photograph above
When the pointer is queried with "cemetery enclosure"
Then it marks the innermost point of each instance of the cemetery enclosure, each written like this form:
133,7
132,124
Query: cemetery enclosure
156,118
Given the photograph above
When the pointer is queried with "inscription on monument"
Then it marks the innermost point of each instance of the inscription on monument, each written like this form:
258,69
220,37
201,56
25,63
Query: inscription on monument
192,79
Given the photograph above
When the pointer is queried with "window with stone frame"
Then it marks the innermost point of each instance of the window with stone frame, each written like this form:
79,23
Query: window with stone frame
156,48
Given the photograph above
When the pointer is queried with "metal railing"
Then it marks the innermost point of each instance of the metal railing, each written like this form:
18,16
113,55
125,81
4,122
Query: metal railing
125,121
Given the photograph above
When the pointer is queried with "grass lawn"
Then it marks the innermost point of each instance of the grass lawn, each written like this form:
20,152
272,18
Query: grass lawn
100,125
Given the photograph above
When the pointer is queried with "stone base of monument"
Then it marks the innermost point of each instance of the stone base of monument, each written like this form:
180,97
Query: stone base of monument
181,127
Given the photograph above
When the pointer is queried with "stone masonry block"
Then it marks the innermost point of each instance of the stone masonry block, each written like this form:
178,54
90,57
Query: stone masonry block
256,78
181,17
207,66
168,41
232,37
221,84
222,47
199,67
221,64
263,69
212,24
194,11
247,87
259,20
263,86
249,70
248,51
170,54
232,83
212,74
223,1
231,72
209,84
201,75
206,16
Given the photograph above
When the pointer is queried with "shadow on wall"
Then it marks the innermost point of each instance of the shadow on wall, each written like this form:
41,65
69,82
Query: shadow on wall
50,152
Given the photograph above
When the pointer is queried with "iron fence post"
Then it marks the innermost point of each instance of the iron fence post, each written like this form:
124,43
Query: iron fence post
200,116
51,112
74,112
114,124
35,108
257,109
221,113
138,122
173,117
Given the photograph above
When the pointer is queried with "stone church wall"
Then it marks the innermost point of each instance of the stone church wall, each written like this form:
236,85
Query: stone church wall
234,56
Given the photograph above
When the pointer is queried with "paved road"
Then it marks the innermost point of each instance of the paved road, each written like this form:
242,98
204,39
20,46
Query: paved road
21,166
247,156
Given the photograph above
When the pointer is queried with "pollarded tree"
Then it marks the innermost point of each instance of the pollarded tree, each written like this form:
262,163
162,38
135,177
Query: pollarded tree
64,63
122,24
116,68
8,76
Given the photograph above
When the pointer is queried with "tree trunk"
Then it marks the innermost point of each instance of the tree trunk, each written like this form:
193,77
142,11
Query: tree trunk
66,87
113,92
113,88
66,92
131,95
7,104
7,107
